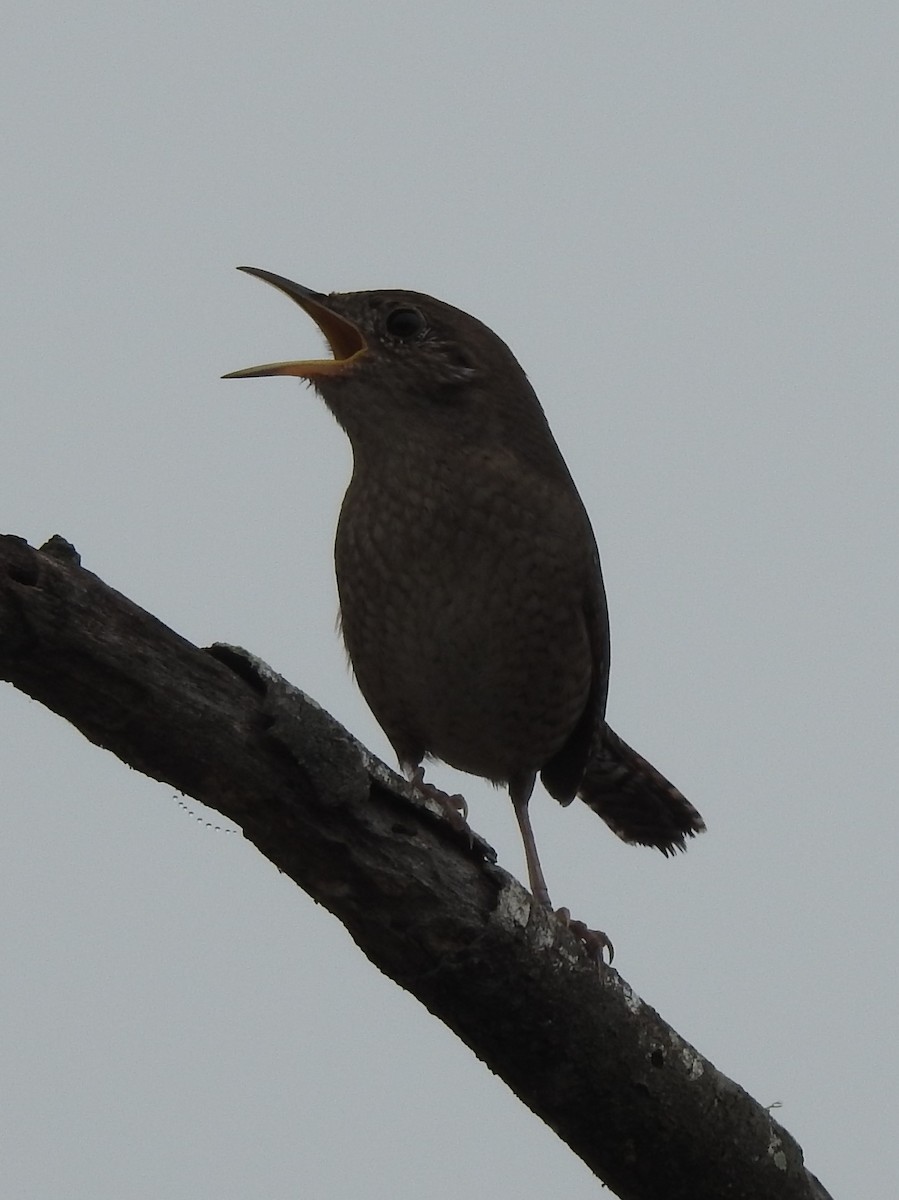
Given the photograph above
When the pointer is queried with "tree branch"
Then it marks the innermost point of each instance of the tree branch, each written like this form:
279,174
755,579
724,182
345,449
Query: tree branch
643,1109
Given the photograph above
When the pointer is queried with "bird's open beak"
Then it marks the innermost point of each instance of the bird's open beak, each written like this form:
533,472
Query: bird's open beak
345,340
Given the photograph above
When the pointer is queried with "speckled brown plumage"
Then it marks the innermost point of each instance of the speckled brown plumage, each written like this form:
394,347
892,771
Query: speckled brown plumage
472,603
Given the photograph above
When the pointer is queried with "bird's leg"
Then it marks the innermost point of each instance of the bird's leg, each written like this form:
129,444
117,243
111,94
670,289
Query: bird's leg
595,941
520,793
456,806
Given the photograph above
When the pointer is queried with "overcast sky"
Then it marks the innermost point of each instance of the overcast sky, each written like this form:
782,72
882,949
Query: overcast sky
683,219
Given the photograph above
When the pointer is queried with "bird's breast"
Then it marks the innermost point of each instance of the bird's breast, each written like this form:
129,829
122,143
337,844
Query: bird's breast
463,612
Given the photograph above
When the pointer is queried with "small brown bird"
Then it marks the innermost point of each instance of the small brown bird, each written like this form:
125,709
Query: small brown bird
472,603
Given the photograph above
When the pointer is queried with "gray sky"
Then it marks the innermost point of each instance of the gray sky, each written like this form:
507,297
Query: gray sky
683,218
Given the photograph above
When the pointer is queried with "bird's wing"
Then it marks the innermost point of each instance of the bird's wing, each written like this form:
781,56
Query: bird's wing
563,773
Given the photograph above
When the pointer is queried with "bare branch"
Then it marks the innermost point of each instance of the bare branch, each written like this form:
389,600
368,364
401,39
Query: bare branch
643,1109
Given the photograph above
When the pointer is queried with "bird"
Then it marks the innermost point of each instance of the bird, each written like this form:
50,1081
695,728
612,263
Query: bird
472,603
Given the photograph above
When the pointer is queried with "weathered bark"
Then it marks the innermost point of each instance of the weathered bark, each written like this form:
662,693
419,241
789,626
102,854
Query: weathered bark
643,1109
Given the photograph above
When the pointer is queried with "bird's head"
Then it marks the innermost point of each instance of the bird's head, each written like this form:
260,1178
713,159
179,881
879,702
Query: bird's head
410,369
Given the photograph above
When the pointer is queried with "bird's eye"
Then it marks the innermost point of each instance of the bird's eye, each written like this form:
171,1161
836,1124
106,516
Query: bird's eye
405,323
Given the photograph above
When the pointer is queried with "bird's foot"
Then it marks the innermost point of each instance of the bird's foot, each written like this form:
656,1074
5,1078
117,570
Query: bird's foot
595,941
455,806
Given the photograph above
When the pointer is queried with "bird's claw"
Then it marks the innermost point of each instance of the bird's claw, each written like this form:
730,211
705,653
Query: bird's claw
595,941
455,806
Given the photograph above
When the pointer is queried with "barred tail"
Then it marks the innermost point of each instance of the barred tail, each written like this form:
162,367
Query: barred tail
635,800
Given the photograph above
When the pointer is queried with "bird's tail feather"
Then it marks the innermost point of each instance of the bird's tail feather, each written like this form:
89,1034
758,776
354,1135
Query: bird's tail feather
635,800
